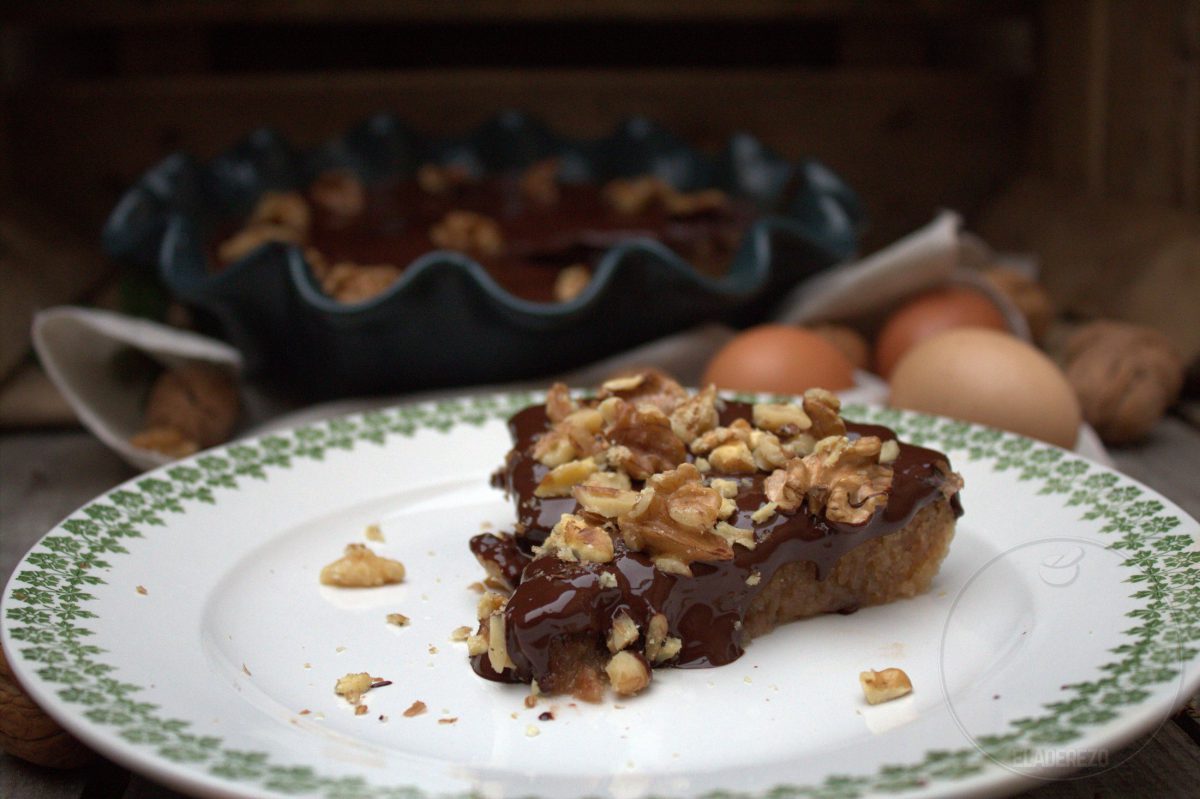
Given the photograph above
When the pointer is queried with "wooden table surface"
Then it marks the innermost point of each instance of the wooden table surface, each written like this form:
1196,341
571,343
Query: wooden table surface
45,475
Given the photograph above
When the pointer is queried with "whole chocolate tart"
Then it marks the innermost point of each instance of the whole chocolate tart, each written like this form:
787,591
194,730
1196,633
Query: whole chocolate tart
659,528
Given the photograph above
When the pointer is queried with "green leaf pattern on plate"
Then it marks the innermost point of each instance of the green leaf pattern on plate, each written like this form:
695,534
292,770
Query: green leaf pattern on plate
47,613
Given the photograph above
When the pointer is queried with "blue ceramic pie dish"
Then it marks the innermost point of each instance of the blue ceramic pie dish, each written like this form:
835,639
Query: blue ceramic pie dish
445,321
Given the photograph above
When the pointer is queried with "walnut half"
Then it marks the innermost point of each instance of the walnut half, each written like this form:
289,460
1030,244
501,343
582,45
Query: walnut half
841,477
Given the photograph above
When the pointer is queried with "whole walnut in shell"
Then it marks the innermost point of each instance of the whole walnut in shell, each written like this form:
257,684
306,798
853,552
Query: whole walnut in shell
28,733
1028,295
1126,376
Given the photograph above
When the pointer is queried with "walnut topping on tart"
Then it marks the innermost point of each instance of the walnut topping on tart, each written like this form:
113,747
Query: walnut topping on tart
658,528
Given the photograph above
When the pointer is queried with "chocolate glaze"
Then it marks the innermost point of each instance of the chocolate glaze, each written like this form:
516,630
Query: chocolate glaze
557,599
539,239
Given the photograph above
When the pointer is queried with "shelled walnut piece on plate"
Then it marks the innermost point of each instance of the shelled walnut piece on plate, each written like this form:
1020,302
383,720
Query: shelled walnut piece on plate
682,490
359,567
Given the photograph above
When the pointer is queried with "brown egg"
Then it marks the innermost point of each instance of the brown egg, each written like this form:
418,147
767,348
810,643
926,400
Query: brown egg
991,378
779,359
928,315
852,343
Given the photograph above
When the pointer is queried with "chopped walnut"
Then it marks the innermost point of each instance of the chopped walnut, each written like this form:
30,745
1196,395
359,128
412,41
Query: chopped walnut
889,451
695,415
349,282
249,239
372,532
199,401
628,673
952,483
843,478
353,686
739,430
497,650
608,580
606,501
489,603
694,203
675,517
733,458
415,709
764,512
780,417
645,387
624,631
798,446
460,634
165,440
736,535
573,539
824,408
767,451
539,183
660,647
578,434
570,282
398,619
467,231
634,195
559,481
443,178
340,194
643,442
884,686
362,568
559,403
617,480
283,208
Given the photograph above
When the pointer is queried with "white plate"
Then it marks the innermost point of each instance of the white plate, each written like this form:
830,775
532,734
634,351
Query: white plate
1062,625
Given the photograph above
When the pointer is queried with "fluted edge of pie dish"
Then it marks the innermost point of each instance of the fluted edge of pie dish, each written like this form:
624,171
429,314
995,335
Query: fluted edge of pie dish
446,321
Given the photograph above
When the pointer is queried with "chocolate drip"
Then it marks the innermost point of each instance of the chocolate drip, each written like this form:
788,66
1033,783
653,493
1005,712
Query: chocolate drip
558,600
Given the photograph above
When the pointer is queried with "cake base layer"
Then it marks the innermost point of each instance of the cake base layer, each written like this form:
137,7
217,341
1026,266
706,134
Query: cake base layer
895,566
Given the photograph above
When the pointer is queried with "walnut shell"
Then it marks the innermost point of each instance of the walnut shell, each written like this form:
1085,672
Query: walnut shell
1028,295
199,400
28,733
1126,376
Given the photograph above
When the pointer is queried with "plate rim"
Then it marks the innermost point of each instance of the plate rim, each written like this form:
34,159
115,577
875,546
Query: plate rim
1144,517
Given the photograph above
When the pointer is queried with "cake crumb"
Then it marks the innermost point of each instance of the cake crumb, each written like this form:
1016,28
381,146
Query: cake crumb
141,589
448,720
433,650
304,712
398,619
360,710
460,633
531,731
415,709
246,671
373,533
